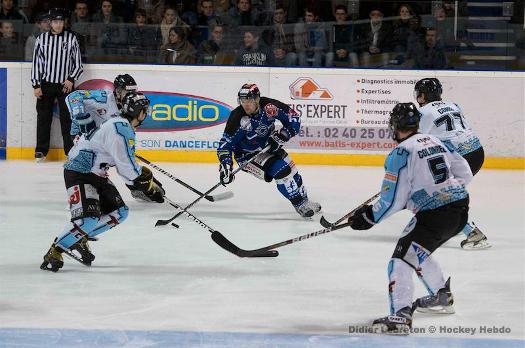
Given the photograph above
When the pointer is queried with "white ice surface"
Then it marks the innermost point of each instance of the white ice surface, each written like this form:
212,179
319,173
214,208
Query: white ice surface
147,278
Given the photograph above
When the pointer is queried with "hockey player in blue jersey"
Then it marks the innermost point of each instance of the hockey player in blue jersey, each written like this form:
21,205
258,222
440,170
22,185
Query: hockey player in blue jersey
95,204
428,177
446,121
90,108
250,127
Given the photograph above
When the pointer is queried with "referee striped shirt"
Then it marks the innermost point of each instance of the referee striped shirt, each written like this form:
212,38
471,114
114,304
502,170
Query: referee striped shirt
56,57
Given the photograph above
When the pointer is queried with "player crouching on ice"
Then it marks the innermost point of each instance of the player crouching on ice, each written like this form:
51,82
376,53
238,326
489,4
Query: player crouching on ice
95,203
250,128
428,177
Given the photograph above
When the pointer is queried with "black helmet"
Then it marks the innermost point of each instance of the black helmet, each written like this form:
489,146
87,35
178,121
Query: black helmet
123,83
249,91
404,117
431,87
57,14
132,104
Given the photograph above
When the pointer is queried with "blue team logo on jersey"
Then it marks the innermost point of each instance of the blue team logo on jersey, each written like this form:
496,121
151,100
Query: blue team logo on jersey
176,112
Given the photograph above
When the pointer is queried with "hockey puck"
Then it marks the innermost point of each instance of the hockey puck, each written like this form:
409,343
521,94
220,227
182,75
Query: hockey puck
174,225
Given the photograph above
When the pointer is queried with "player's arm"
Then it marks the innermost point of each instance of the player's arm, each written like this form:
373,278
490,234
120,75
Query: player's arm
426,123
234,132
395,188
459,166
290,119
121,146
81,122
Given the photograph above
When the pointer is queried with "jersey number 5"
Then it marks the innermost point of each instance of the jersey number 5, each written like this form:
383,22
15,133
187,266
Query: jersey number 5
438,168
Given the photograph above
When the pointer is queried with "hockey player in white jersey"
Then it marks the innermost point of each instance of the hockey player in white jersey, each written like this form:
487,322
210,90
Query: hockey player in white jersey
446,121
95,203
90,108
428,177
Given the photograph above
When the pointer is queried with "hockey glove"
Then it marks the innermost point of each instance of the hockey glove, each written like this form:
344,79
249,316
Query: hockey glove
277,140
363,218
226,173
145,187
85,123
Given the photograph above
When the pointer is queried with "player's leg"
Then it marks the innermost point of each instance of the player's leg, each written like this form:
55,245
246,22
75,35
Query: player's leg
443,224
475,239
85,212
423,235
113,209
280,167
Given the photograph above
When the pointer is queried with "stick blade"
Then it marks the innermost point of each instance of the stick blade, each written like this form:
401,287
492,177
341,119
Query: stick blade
269,253
325,223
219,197
224,243
162,223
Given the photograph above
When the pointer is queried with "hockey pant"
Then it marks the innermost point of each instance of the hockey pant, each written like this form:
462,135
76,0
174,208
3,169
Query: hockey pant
426,232
475,160
279,166
95,204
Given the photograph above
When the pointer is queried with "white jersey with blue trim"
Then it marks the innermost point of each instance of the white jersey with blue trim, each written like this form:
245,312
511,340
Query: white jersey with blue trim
421,173
112,144
446,121
99,103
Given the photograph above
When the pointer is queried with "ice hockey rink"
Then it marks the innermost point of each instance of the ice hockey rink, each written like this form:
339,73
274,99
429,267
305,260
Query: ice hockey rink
167,287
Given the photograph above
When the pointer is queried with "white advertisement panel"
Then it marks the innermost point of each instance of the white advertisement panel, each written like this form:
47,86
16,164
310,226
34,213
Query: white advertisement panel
343,111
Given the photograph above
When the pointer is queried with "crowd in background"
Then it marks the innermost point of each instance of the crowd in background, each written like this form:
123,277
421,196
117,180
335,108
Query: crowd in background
413,34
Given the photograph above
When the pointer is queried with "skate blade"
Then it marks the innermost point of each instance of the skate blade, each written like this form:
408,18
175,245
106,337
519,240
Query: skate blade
383,329
436,310
477,246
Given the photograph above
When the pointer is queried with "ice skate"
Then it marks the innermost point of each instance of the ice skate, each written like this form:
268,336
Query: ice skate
441,303
52,260
396,324
82,247
476,240
308,209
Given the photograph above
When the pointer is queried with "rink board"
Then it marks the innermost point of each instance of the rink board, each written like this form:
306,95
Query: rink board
344,112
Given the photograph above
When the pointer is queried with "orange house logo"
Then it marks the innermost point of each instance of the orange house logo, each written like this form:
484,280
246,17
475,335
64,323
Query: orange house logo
306,88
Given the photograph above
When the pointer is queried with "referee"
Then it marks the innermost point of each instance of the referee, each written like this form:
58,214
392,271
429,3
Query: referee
56,66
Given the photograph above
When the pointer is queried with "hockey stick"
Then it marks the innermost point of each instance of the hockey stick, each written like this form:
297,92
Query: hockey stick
241,167
325,223
270,253
211,198
227,245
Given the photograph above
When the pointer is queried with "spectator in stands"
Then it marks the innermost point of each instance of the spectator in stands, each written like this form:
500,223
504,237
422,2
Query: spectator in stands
372,40
254,53
401,29
10,48
280,37
222,10
207,16
171,19
81,24
213,51
310,41
445,27
8,11
143,39
342,40
107,30
430,54
243,14
42,25
178,50
187,14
